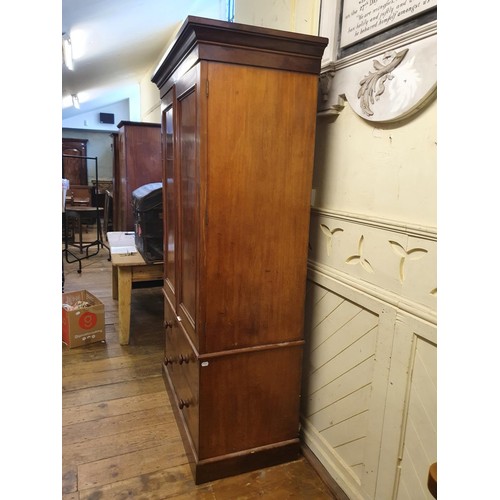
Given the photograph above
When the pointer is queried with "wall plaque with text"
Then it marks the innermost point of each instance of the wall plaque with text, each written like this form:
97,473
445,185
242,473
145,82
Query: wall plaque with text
362,19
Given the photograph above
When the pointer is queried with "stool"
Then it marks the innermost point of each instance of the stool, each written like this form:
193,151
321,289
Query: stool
432,479
81,216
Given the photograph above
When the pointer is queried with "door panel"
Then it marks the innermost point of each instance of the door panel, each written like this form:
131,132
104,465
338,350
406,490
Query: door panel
259,204
189,201
169,199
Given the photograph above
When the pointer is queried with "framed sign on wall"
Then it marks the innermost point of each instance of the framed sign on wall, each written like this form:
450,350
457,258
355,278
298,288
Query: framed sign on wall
364,23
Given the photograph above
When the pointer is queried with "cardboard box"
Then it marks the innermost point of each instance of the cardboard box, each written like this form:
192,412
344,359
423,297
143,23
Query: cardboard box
83,325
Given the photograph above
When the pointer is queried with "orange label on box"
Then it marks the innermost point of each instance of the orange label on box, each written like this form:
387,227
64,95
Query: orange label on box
87,320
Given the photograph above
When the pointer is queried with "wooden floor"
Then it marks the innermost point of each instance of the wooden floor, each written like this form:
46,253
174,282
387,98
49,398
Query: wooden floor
119,435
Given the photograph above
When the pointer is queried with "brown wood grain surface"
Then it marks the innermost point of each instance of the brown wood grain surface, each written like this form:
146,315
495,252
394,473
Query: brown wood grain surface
138,162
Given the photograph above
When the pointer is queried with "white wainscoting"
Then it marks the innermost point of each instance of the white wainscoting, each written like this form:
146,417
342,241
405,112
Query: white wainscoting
369,385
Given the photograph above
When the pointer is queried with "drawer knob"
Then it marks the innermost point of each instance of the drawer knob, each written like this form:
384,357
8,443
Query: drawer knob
183,404
168,324
169,360
183,358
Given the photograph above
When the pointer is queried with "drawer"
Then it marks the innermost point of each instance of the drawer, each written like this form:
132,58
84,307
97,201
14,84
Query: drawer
148,272
187,359
183,369
249,399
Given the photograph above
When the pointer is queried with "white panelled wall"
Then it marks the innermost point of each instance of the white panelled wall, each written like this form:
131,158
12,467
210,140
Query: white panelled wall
369,382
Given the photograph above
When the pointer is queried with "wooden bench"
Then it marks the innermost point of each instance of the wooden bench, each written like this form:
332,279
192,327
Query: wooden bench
128,268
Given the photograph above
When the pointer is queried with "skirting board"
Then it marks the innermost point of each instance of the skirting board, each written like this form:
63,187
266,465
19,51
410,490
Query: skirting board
335,489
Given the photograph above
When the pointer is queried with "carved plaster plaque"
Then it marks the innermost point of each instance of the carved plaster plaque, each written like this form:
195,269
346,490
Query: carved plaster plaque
394,84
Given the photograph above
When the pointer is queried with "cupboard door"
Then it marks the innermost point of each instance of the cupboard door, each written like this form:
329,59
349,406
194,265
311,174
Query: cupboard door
169,199
187,90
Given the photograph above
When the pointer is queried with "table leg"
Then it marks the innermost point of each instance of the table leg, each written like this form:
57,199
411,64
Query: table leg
114,282
124,299
80,232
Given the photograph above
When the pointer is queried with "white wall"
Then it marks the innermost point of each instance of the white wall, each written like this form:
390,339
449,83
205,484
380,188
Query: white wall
287,15
383,169
125,110
150,95
150,101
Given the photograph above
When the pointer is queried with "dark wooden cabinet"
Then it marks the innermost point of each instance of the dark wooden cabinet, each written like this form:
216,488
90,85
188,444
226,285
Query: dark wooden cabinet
137,162
238,127
74,168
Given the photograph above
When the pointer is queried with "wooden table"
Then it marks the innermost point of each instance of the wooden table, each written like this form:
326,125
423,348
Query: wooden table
128,267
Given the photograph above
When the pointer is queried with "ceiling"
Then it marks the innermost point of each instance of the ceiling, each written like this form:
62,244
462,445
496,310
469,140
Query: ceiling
116,42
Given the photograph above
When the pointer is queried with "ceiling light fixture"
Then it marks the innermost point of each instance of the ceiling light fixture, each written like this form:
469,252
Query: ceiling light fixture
67,52
76,102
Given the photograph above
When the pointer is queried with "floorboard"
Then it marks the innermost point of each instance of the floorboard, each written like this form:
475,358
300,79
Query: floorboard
119,436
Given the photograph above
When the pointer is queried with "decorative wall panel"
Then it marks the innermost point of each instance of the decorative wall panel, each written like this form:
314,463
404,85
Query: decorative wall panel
369,385
394,260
